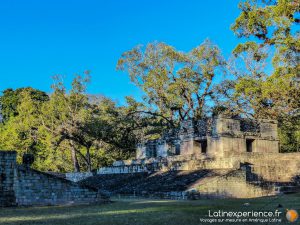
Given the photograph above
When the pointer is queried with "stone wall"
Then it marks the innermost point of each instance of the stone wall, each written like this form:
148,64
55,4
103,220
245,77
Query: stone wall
265,146
189,147
272,167
226,126
7,166
36,188
266,172
122,169
216,136
23,186
75,177
233,185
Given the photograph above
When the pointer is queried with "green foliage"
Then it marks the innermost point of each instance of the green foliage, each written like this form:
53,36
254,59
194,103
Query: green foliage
10,100
21,132
261,89
177,85
92,125
289,134
274,23
70,130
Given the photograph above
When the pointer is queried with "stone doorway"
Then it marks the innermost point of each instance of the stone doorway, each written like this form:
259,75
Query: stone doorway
203,146
249,145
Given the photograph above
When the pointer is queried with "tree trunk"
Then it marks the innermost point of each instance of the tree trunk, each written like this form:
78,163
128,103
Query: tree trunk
74,158
88,159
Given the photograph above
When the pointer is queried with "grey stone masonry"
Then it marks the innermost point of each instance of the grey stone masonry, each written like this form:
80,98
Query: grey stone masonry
75,177
23,186
7,167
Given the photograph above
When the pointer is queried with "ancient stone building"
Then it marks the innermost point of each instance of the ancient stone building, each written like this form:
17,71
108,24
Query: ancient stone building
216,137
218,157
22,186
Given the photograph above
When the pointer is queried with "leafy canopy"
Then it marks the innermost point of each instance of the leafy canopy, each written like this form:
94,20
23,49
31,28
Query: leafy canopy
177,85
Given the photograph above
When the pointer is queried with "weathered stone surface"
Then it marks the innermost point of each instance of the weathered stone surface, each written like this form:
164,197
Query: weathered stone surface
236,174
232,185
216,136
23,186
190,184
75,177
242,156
7,165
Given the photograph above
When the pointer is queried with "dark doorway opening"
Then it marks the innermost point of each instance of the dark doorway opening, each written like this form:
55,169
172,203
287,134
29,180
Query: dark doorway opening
249,145
177,149
154,152
203,145
151,151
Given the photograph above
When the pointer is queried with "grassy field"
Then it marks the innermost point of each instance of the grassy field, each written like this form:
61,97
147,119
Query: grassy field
142,211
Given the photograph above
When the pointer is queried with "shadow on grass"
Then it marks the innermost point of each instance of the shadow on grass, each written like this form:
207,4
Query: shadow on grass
115,213
140,212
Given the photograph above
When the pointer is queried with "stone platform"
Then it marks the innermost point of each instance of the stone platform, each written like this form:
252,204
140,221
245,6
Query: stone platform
244,175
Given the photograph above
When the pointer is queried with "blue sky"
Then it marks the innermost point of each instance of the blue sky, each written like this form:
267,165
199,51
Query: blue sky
39,39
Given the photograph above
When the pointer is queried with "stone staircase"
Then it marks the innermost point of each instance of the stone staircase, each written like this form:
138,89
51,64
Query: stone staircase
182,184
148,184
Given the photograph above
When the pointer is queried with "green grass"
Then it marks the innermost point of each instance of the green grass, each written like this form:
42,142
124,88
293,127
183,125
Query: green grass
140,211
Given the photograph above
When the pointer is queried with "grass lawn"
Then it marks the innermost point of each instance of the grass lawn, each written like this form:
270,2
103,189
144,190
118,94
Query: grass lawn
142,211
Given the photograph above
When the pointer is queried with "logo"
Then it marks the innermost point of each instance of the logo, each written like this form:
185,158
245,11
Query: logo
292,215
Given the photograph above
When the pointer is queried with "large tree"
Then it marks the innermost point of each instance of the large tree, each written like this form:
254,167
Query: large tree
88,124
177,85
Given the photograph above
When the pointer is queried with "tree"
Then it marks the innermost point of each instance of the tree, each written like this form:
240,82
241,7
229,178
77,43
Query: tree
91,125
178,85
20,131
10,100
65,115
259,89
273,23
70,129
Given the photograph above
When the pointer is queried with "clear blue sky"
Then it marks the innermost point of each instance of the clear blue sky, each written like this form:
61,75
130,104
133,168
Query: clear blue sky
41,38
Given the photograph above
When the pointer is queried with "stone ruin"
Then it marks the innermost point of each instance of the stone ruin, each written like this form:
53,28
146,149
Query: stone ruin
216,137
219,157
22,186
228,157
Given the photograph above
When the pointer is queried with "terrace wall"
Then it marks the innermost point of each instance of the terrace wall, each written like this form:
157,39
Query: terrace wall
23,186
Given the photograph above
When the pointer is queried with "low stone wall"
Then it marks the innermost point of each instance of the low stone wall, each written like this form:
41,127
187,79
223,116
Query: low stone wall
75,177
23,186
275,167
122,169
36,188
179,162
